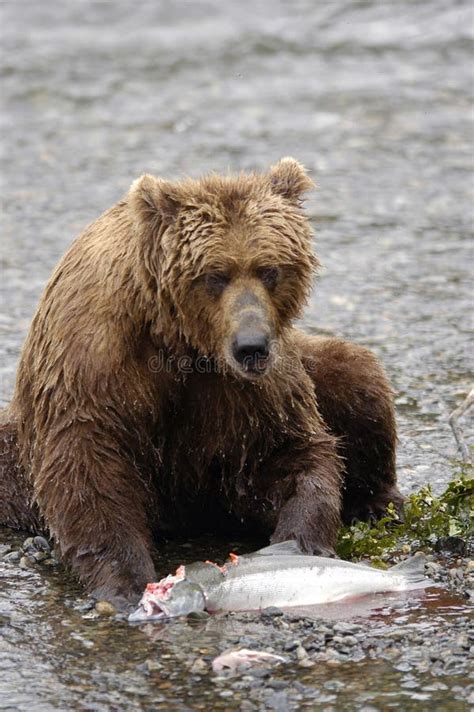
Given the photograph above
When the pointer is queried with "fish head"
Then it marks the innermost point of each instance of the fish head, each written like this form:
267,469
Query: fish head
181,598
185,597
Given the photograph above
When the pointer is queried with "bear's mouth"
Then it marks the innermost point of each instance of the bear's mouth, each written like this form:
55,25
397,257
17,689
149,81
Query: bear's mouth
256,366
253,368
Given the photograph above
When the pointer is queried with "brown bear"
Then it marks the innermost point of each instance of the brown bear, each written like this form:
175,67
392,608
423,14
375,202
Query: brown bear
164,388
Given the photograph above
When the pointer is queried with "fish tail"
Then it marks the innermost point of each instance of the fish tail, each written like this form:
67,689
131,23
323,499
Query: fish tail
412,569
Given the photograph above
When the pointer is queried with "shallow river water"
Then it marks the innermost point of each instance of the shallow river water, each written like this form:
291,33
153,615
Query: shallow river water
375,98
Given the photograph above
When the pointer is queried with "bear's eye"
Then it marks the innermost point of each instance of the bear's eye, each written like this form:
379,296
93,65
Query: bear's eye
269,276
216,282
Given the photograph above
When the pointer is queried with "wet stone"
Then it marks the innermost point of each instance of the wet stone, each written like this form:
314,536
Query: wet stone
397,634
197,616
85,606
260,672
291,645
104,608
333,685
26,562
28,544
403,667
306,663
398,605
271,612
41,543
327,632
313,642
199,666
350,640
339,640
301,653
347,628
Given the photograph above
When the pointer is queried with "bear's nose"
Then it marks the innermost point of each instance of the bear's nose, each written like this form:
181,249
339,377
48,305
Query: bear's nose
251,350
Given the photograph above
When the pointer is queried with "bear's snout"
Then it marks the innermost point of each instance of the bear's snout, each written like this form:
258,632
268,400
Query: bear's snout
251,350
251,329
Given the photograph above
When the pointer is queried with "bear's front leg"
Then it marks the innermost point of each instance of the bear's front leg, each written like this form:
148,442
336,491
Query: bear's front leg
308,502
94,502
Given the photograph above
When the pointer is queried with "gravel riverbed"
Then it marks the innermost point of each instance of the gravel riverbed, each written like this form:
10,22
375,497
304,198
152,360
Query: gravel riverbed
374,653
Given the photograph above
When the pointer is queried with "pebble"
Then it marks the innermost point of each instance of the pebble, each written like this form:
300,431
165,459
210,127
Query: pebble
334,685
403,667
301,653
346,628
350,640
28,543
397,605
306,663
199,666
33,550
104,608
41,543
153,665
272,612
85,606
26,562
327,632
259,672
396,634
197,616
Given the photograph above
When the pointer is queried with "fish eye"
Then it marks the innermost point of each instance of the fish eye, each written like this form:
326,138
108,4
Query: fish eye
216,282
269,276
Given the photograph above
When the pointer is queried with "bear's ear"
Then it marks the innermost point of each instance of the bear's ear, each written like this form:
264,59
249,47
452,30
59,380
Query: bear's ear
154,201
289,179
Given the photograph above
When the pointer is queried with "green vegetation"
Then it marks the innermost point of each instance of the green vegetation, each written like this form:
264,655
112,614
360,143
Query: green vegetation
426,519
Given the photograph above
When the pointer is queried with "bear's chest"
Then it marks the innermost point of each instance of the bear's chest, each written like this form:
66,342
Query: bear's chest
214,421
215,447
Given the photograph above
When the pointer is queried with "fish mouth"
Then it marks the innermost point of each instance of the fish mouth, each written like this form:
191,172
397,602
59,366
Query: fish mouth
152,605
155,611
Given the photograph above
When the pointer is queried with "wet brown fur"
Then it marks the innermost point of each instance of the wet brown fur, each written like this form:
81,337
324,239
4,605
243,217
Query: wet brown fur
105,448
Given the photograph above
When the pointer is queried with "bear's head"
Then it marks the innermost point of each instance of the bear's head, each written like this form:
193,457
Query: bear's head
228,262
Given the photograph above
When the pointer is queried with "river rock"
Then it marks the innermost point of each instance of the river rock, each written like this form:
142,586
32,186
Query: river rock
104,608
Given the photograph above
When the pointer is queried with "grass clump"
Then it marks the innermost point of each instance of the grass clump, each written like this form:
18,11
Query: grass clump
426,519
